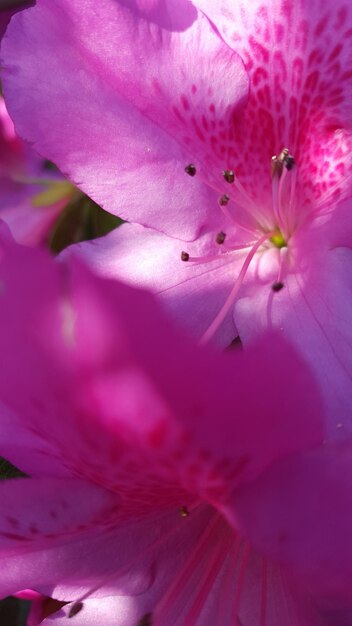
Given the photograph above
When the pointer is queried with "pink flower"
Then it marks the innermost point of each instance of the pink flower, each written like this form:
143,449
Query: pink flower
155,91
136,441
31,198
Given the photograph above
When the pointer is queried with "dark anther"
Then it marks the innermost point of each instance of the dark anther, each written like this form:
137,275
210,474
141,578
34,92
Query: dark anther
191,169
184,256
284,159
277,286
289,162
146,620
184,512
276,166
224,200
220,237
236,344
75,608
229,176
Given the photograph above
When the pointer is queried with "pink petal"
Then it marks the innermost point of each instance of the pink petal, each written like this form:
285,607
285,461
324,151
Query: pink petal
157,85
265,592
298,57
299,514
38,515
312,311
148,259
19,165
89,364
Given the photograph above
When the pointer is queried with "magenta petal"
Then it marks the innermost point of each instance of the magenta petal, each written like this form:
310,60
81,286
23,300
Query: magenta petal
153,86
39,514
84,355
298,57
312,310
23,181
299,514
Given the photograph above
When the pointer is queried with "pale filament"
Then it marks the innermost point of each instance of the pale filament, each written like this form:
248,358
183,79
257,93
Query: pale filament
216,323
282,180
222,254
229,216
282,253
291,205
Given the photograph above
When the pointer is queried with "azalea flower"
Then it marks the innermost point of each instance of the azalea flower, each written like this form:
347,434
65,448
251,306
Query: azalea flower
136,442
234,138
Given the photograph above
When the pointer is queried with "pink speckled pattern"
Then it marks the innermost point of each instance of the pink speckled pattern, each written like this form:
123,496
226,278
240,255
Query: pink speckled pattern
298,56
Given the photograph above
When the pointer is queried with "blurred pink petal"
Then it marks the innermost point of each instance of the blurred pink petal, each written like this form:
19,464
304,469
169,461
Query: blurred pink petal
132,163
298,513
31,198
154,434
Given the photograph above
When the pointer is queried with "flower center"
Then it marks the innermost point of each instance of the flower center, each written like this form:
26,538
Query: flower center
278,239
272,229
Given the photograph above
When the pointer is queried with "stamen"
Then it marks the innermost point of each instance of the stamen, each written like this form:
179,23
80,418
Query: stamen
224,200
184,512
229,176
289,162
230,217
185,256
234,291
277,286
75,608
220,237
191,169
276,167
290,212
276,179
278,162
280,166
245,195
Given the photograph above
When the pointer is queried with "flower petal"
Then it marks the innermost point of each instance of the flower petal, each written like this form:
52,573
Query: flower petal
89,366
299,513
191,292
42,514
312,311
298,57
152,81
